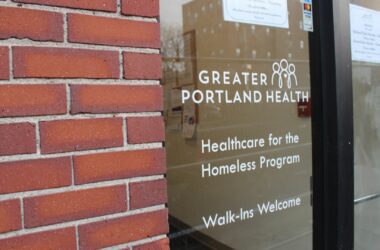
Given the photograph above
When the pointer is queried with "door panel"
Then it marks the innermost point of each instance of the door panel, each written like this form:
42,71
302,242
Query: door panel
238,123
365,46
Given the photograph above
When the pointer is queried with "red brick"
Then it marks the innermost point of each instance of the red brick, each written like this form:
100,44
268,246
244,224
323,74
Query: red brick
46,240
38,174
148,8
55,208
33,24
115,98
10,214
122,230
4,63
102,5
81,134
156,245
145,129
17,138
142,66
118,165
37,62
29,100
147,193
113,31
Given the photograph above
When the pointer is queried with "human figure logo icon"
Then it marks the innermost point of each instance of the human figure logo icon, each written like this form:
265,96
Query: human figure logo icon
284,73
292,78
276,74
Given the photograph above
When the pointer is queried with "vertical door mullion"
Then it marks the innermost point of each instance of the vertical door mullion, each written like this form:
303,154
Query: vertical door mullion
332,126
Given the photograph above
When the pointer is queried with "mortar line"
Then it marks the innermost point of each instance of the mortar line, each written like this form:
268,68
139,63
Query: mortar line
22,213
81,222
38,138
58,9
128,195
25,42
121,64
83,81
11,75
65,40
127,148
125,143
72,171
154,178
77,236
63,117
80,187
118,4
134,244
68,99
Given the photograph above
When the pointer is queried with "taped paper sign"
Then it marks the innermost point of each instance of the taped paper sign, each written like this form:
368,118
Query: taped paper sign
272,13
365,34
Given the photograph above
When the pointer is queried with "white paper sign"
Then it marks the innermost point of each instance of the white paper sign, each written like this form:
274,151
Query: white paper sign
365,34
272,13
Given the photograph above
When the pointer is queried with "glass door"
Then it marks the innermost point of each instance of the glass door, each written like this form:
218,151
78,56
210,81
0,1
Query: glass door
365,47
238,123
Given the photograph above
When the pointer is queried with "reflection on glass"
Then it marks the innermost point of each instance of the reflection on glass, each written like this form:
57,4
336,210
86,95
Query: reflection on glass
238,127
365,43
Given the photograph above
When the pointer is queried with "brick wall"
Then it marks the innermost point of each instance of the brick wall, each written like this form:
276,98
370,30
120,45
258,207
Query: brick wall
82,162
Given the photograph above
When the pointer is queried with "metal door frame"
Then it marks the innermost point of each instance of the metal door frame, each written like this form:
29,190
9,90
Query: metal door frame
332,105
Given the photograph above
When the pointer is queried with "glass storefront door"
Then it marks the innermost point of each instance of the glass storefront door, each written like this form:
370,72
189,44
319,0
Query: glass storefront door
238,123
365,47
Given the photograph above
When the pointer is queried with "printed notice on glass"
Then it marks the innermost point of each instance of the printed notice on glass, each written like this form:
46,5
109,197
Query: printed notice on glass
308,15
272,13
365,34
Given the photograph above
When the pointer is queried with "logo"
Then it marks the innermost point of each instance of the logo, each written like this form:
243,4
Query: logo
284,74
307,7
248,87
